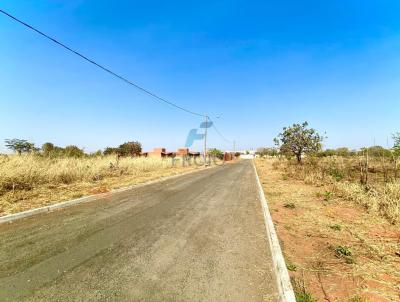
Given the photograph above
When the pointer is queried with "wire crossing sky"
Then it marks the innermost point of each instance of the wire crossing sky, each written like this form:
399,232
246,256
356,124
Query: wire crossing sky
264,65
98,65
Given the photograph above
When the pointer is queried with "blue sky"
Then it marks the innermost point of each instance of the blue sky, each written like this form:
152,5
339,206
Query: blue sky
259,65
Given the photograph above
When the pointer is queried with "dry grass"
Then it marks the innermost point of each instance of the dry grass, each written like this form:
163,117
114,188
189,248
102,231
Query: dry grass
380,194
341,251
30,181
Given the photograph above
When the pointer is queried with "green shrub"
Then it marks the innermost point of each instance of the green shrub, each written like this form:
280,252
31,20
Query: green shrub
328,195
336,227
216,153
291,267
337,174
342,251
289,205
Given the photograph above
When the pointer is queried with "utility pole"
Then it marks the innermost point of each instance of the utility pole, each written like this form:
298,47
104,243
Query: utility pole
205,142
234,147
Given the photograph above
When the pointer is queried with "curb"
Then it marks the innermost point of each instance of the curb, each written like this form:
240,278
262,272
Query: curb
68,203
286,293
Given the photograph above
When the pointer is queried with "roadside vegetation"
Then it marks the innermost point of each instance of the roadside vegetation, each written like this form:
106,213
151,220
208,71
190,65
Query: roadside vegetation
369,177
337,214
36,177
372,183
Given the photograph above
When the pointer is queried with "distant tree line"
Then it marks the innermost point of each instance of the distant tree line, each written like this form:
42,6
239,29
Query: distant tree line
20,146
374,151
133,148
267,151
299,140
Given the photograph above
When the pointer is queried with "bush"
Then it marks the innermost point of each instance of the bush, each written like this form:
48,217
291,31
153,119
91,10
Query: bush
216,153
130,149
337,174
110,150
73,151
267,151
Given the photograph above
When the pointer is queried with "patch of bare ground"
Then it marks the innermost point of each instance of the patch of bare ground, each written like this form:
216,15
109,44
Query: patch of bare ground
338,250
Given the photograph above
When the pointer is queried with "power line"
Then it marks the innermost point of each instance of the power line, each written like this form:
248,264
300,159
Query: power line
100,66
219,133
110,71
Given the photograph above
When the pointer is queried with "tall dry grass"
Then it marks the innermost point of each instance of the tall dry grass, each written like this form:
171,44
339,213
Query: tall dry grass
28,171
346,176
30,181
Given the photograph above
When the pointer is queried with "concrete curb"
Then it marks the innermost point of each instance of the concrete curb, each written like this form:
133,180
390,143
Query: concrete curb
286,293
68,203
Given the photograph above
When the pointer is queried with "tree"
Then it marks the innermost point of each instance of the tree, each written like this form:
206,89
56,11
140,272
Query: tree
267,151
97,153
326,153
130,149
216,153
343,151
47,148
298,139
73,151
110,151
20,145
379,151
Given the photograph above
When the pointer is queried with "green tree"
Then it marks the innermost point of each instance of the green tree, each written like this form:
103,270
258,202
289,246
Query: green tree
20,145
378,151
73,151
130,149
298,139
267,151
216,153
47,148
343,151
97,153
110,151
326,153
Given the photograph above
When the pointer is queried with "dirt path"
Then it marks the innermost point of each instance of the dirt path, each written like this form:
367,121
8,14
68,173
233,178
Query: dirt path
194,238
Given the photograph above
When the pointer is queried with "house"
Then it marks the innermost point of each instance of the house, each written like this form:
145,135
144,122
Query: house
185,152
159,153
228,156
162,153
247,154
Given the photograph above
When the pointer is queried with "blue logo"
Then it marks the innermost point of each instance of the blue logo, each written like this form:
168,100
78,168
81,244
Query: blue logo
194,136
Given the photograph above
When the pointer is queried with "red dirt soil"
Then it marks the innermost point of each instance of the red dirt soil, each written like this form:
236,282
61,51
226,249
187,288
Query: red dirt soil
309,238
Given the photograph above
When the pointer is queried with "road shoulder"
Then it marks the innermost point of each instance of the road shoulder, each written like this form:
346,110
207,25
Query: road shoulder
315,233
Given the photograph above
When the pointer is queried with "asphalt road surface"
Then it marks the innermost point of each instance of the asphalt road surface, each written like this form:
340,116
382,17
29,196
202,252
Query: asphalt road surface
199,237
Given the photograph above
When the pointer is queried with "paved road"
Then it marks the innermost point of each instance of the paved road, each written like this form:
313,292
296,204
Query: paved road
199,237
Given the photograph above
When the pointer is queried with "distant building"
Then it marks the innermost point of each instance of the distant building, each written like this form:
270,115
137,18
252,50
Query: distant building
181,152
228,156
161,153
158,152
246,154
